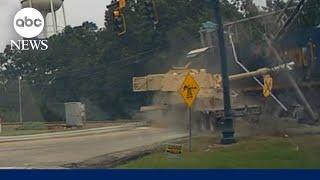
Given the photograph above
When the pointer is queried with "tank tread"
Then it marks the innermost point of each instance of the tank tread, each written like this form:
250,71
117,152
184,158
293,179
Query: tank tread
238,111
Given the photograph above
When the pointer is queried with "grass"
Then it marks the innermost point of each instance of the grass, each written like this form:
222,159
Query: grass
260,152
27,128
13,132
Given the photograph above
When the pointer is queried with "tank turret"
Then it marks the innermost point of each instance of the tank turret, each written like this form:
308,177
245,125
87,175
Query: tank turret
172,80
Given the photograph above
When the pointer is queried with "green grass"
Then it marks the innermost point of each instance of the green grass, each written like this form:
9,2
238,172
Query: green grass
22,132
260,152
33,126
27,128
18,132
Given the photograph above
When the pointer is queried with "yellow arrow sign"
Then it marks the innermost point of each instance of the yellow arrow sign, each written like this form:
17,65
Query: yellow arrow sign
268,85
189,90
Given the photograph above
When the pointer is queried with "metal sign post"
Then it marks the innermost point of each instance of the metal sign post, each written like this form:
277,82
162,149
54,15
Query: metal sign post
0,125
190,129
189,91
20,101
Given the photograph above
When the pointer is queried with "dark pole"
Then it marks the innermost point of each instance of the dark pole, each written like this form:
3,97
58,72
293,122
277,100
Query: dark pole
227,131
190,129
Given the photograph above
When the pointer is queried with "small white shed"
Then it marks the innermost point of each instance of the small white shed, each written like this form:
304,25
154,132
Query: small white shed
75,114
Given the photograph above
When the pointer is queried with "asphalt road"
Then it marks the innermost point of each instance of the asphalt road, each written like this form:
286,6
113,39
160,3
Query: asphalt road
57,152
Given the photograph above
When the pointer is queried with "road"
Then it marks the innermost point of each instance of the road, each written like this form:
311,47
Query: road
61,151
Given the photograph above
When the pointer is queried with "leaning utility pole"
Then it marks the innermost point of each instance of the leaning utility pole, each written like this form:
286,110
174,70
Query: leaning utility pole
314,116
227,131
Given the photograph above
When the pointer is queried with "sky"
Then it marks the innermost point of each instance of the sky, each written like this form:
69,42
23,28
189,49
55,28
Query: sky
77,11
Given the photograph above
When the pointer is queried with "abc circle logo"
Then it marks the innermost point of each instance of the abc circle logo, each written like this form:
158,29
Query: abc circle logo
28,22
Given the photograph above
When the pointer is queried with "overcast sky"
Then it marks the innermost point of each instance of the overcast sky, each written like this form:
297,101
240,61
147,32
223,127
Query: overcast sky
77,11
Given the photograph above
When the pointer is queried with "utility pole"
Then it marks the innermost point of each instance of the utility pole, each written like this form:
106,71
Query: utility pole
20,100
227,131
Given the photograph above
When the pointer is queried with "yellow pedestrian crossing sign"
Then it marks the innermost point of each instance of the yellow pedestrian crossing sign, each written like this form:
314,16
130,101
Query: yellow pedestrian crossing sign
189,90
268,85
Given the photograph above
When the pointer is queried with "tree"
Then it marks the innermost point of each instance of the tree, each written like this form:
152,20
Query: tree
96,66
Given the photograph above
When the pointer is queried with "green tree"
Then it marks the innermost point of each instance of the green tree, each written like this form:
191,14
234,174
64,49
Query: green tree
94,65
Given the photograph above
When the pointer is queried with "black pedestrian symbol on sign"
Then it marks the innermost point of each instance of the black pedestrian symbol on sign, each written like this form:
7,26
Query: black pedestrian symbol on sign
189,91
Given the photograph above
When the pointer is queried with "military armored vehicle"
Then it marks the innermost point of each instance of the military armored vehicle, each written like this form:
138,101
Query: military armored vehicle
208,107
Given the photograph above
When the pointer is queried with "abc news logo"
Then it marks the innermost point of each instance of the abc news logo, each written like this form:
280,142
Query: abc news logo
26,22
29,23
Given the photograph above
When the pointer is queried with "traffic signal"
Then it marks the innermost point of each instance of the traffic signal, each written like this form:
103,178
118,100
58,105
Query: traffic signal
150,11
119,22
122,4
116,17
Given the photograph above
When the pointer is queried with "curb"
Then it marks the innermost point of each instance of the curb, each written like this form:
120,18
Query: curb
76,133
112,160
